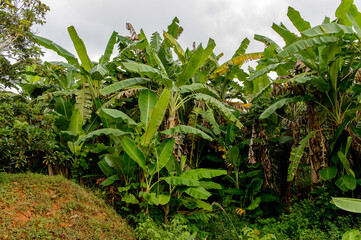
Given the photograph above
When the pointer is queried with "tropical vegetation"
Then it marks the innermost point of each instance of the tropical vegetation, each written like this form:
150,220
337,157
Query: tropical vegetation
175,137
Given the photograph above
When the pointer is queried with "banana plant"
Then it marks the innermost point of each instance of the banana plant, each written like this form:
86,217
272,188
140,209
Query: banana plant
320,66
141,149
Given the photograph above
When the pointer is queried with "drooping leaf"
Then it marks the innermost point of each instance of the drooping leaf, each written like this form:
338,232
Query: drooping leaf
209,117
273,107
198,192
80,49
122,84
103,131
201,173
177,47
264,71
178,180
218,106
117,115
210,185
56,48
134,152
156,117
187,130
147,101
296,155
327,28
267,41
198,88
348,204
301,45
110,180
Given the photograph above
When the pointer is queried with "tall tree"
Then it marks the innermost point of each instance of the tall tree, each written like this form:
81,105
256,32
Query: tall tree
16,46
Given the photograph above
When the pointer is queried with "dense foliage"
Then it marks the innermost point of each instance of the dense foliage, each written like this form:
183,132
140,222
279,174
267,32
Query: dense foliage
167,131
17,49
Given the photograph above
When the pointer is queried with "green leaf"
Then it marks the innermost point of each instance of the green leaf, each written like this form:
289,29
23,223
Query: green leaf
156,117
198,192
122,84
146,70
58,49
134,152
328,173
218,106
63,107
346,182
355,17
80,49
345,163
116,115
210,185
342,10
255,203
296,155
288,36
352,235
201,173
264,71
273,107
267,41
297,20
110,180
109,48
188,130
177,48
106,169
197,59
76,122
232,156
146,101
301,45
348,204
177,181
209,117
155,41
130,198
83,98
198,88
103,131
316,81
164,151
328,28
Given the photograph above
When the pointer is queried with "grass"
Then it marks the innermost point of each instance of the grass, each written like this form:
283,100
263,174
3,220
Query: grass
34,206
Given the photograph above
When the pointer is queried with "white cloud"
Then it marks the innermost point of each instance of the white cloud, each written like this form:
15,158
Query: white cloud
228,22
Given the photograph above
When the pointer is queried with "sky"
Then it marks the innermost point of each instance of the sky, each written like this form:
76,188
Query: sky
228,22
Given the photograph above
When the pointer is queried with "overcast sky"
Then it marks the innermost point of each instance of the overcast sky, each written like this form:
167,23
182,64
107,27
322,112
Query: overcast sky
228,22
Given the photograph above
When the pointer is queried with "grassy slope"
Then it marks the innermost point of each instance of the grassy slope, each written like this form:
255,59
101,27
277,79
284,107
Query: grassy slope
34,206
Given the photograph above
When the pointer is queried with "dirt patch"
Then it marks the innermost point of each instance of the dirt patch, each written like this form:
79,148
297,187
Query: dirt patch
34,206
